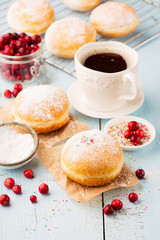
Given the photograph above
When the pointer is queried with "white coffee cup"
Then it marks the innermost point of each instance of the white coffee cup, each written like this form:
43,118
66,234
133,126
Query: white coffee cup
108,91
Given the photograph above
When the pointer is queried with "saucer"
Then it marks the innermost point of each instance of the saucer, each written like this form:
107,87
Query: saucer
114,123
76,95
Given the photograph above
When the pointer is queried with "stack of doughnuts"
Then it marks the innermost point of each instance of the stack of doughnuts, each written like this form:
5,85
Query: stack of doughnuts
92,158
31,16
44,108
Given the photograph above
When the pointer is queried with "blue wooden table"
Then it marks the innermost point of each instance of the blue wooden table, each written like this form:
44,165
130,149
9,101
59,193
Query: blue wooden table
58,217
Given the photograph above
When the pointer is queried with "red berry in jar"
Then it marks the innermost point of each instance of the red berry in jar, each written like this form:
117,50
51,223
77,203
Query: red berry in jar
4,200
43,188
22,35
133,197
9,182
108,209
8,51
140,133
133,125
16,189
36,39
117,204
140,173
33,198
28,173
128,134
7,93
135,140
19,77
27,76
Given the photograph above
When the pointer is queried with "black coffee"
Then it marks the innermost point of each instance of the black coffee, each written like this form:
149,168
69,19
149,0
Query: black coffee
106,62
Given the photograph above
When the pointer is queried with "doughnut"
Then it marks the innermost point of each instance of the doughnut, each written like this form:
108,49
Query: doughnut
31,16
44,108
81,5
114,19
92,158
65,36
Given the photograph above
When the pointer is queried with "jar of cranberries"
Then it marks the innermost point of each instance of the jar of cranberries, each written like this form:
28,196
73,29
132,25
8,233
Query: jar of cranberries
21,57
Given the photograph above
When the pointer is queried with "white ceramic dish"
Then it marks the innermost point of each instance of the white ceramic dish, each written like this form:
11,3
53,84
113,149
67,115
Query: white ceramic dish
76,97
137,119
23,128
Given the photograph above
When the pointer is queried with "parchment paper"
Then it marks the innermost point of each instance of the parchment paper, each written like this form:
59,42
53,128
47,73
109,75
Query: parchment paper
49,152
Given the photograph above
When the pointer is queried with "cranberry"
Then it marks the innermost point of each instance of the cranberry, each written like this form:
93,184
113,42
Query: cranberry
12,78
18,87
7,93
15,36
19,78
9,36
36,39
135,139
140,133
22,35
133,125
35,47
133,197
22,51
20,44
140,173
12,44
17,55
117,204
22,39
9,72
28,39
5,75
28,76
8,51
33,198
9,182
5,66
15,92
15,67
128,134
27,70
28,173
16,189
4,200
43,188
108,210
1,45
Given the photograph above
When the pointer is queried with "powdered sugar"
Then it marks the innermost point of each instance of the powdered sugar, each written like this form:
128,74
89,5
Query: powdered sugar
41,102
92,145
14,146
69,31
114,14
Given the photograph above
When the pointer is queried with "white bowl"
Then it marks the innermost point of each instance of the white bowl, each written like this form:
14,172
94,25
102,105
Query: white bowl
23,128
118,120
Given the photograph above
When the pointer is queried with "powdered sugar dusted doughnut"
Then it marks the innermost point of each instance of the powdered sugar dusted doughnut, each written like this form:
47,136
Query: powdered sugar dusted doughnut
114,19
81,5
64,37
45,108
92,158
32,16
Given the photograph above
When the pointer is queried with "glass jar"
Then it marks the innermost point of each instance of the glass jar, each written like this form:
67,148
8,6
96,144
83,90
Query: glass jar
24,68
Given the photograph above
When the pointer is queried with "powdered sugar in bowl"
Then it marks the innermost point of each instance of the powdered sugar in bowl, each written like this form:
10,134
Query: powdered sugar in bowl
18,145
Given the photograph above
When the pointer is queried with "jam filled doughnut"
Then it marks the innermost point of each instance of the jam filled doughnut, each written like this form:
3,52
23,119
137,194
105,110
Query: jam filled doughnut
81,5
114,19
44,108
92,158
65,36
32,16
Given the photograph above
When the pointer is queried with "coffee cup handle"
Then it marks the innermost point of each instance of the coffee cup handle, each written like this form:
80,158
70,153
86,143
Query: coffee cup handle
133,79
